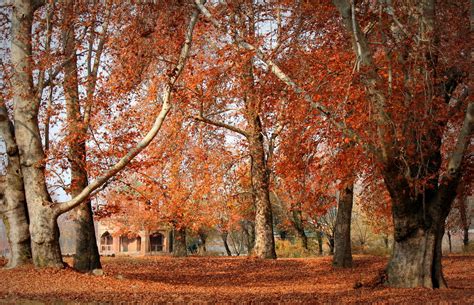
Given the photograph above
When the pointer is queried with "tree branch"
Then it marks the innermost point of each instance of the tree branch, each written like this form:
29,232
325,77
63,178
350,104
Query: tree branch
94,70
275,69
463,140
203,119
125,160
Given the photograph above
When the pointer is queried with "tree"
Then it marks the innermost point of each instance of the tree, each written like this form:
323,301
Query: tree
251,104
419,211
342,235
86,256
42,210
421,192
12,203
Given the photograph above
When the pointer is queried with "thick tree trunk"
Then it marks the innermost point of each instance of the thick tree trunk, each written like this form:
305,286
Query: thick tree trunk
342,236
13,208
417,249
179,244
264,240
416,261
226,244
18,236
43,221
86,257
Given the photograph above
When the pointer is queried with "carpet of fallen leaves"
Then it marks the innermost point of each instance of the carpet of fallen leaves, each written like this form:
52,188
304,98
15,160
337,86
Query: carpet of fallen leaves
228,280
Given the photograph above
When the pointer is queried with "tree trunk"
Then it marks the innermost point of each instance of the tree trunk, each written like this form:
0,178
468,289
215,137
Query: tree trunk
342,236
449,242
319,236
226,244
86,257
203,237
13,204
331,244
465,239
43,221
179,244
416,261
417,248
464,219
264,240
18,236
298,225
248,230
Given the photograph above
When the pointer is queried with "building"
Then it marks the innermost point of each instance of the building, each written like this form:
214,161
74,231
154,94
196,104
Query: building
156,242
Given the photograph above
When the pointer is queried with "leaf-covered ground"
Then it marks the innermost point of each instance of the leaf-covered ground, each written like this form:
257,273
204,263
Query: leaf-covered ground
229,280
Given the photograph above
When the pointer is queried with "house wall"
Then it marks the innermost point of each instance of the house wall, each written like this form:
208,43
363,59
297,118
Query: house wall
117,248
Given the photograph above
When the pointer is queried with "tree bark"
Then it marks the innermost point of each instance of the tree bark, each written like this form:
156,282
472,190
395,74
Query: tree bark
416,259
319,236
449,242
264,239
298,225
13,208
43,225
464,220
203,237
179,245
331,244
342,236
465,239
419,226
248,236
226,244
86,257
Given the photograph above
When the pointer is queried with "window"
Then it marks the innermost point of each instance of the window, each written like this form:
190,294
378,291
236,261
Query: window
139,244
106,243
124,242
156,242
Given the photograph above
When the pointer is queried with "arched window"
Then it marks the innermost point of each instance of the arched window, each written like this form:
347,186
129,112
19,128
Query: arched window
139,244
106,242
156,242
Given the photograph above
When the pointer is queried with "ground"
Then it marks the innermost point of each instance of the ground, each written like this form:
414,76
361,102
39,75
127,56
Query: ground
229,280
